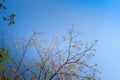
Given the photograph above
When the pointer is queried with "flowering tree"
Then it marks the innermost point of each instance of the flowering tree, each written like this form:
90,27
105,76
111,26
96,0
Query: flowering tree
63,58
66,59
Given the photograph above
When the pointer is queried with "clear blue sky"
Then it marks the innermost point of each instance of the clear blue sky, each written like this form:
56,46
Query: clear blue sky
99,19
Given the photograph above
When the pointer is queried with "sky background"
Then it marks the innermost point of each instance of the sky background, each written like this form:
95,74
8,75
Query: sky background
98,19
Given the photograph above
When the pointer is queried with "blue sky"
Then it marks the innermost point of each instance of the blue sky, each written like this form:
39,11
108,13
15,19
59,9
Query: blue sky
99,19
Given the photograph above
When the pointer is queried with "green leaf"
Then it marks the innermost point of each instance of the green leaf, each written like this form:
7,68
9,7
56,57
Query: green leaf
9,78
11,19
10,60
1,5
90,78
49,73
39,64
4,55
